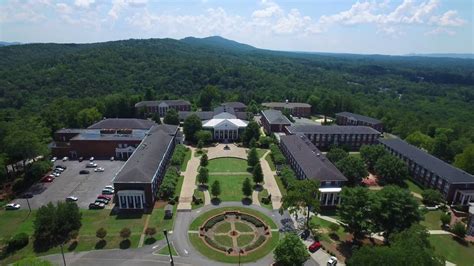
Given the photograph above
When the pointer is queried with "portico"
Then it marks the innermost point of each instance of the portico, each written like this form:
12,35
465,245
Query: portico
463,197
225,127
330,196
131,199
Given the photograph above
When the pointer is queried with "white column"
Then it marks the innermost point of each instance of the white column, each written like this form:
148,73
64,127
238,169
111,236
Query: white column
327,198
462,199
333,198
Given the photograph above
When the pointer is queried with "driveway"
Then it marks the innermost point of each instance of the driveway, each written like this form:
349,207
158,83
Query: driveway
71,183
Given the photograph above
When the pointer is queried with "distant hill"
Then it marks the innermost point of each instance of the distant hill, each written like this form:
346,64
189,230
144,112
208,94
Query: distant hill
8,43
450,55
218,42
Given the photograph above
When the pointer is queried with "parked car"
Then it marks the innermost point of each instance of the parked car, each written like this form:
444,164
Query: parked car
99,169
60,166
71,198
84,172
54,159
48,179
65,158
59,169
12,206
107,191
91,159
55,174
102,201
315,246
332,261
112,158
27,195
107,197
100,205
81,159
94,206
91,165
305,234
109,187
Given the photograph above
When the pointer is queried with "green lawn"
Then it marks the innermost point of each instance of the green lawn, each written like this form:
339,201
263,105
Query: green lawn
203,217
413,187
13,222
261,152
165,251
432,220
325,224
223,228
179,185
157,220
231,186
244,240
227,165
280,185
224,240
268,158
453,251
264,194
219,256
186,160
242,227
198,194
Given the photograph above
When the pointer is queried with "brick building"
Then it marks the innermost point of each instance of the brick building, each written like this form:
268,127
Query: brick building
137,183
323,137
162,107
237,106
309,163
456,185
274,121
296,109
351,119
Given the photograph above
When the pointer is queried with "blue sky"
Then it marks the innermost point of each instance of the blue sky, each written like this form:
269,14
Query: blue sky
346,26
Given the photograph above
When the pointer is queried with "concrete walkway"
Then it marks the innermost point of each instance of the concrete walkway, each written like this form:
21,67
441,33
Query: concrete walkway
255,200
207,197
270,183
142,237
189,183
234,151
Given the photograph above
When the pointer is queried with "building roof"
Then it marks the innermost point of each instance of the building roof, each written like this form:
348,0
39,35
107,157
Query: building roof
156,103
313,163
317,129
275,117
285,105
218,121
123,123
234,105
141,167
444,170
96,134
358,117
71,130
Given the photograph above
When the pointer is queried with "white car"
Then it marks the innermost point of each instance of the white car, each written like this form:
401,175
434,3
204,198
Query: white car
54,159
99,169
65,159
332,261
71,198
109,187
91,159
91,165
12,206
56,174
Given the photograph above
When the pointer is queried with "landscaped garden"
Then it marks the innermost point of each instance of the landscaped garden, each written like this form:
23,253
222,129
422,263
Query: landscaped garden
225,234
227,164
230,186
461,254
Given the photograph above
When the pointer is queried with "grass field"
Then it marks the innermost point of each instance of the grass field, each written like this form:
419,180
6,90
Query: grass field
198,194
280,185
413,187
231,186
261,152
186,160
323,224
227,165
165,251
432,220
264,194
224,240
223,228
268,158
203,217
244,240
243,228
453,251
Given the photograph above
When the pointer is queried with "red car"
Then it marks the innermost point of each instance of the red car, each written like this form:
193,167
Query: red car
315,246
107,197
47,179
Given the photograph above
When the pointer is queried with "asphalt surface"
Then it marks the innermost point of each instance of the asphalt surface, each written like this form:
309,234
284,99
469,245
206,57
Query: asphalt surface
71,183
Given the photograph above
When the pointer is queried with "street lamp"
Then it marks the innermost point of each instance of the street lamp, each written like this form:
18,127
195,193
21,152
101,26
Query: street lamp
169,247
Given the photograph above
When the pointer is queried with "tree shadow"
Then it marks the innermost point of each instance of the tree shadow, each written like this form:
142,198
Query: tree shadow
247,201
215,201
203,187
334,236
461,241
150,241
100,244
125,244
72,246
258,187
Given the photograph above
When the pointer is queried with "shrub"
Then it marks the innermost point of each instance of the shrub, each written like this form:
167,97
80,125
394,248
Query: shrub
445,218
213,221
18,242
276,155
125,232
256,244
215,245
431,197
459,229
252,220
178,155
334,227
19,184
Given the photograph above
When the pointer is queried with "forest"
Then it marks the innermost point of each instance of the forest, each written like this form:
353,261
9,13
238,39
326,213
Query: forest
45,87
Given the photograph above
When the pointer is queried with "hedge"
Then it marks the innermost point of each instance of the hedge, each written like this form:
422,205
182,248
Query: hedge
215,245
252,220
214,220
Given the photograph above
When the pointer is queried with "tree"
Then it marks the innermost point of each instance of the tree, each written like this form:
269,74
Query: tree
257,173
156,117
353,168
101,233
286,112
355,212
247,188
88,116
386,208
203,175
192,124
441,147
125,233
204,161
303,194
204,136
371,153
336,154
252,158
252,131
391,170
420,140
445,218
216,189
149,95
171,117
326,106
431,197
200,145
253,143
150,231
459,229
265,141
208,96
334,227
290,251
465,160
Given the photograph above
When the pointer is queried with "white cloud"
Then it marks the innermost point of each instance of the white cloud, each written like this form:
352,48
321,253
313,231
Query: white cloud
270,9
63,8
119,5
448,19
84,3
440,30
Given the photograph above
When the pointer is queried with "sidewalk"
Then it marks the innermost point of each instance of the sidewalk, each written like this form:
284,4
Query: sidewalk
270,183
189,183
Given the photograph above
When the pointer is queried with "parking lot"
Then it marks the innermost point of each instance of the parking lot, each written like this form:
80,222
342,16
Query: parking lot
70,183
